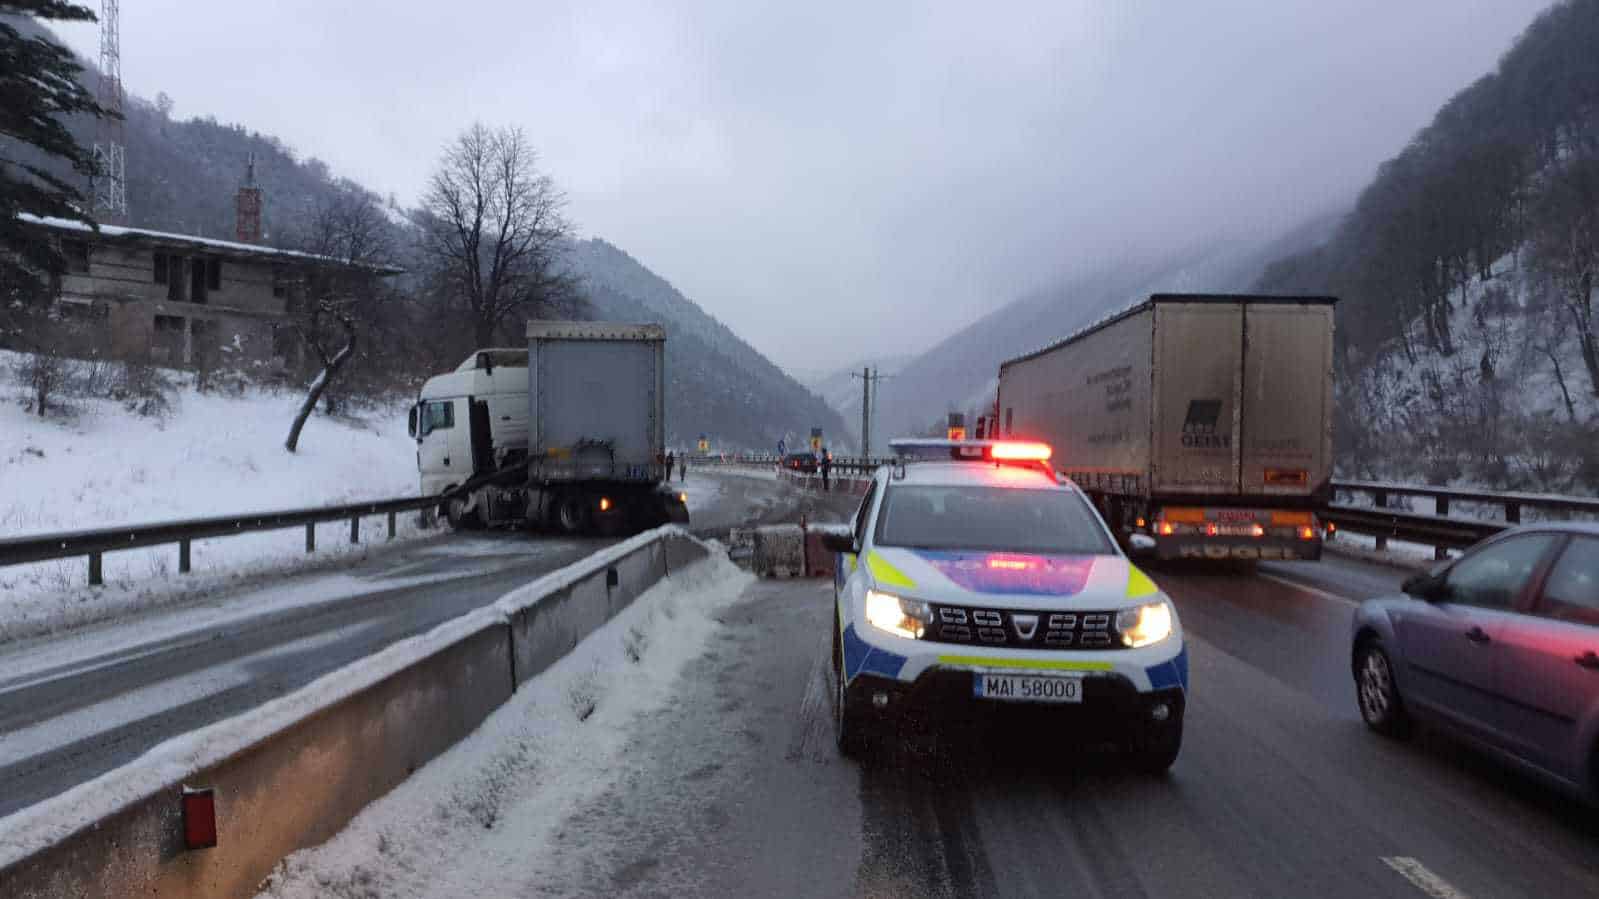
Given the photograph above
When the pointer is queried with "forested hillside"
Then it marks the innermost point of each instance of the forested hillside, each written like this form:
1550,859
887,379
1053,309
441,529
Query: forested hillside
182,177
1467,272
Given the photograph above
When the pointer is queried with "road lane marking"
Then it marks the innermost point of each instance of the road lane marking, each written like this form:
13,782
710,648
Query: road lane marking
1423,879
1309,589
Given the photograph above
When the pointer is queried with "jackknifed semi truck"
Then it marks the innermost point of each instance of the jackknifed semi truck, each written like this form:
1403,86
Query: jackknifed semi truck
568,434
1203,421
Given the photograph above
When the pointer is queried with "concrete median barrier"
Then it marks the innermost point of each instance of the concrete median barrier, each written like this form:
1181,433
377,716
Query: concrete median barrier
294,771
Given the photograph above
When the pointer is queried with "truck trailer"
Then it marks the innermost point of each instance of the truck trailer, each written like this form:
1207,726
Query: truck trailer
1204,421
568,434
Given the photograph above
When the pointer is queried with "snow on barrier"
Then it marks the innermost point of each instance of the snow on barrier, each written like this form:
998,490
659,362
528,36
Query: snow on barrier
292,772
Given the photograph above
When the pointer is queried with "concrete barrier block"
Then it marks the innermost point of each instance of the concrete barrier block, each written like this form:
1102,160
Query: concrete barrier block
680,551
295,790
780,550
548,629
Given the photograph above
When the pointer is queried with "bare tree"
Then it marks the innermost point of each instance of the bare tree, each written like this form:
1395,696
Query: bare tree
494,230
351,230
1566,249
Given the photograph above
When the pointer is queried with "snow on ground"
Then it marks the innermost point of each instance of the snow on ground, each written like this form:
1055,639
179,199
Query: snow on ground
483,815
99,465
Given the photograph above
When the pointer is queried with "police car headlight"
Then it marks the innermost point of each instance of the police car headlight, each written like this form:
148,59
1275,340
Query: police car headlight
898,616
1144,625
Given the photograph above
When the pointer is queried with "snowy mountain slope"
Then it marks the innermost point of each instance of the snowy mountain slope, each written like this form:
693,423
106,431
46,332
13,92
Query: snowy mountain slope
719,386
958,373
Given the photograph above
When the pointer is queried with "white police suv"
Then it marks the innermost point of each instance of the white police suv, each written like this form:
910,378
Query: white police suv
974,575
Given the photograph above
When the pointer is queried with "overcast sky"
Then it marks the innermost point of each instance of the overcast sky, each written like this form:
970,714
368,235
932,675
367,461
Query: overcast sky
837,180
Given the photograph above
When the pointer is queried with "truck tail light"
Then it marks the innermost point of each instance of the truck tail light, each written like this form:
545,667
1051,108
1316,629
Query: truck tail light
1167,529
605,504
1212,530
1307,533
1256,530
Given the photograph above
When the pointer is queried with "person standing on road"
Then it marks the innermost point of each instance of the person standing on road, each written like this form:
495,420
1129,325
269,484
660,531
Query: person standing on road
682,469
671,460
827,470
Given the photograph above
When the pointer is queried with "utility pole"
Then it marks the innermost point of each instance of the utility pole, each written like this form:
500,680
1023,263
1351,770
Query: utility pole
868,378
108,186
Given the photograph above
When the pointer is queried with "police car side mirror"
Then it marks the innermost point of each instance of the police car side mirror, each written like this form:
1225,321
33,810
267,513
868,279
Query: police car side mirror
839,543
410,423
1141,544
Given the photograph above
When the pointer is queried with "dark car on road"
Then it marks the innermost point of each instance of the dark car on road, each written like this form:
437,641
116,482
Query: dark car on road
804,463
1500,646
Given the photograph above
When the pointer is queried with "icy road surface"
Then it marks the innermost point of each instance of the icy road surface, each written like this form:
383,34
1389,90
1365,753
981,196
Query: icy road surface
76,704
727,784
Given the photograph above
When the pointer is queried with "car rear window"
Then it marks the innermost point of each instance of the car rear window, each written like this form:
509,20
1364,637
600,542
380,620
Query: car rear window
998,519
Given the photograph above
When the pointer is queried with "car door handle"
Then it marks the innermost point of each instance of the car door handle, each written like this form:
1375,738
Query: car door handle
1477,635
1588,660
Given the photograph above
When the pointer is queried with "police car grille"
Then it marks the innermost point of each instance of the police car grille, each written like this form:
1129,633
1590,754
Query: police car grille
998,627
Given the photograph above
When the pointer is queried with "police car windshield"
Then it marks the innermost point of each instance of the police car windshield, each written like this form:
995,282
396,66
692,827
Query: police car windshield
999,519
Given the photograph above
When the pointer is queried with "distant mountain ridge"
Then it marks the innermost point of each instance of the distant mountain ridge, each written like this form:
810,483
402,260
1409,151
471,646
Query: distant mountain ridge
719,385
959,373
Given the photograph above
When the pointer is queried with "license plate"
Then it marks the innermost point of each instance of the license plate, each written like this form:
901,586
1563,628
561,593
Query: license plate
1027,688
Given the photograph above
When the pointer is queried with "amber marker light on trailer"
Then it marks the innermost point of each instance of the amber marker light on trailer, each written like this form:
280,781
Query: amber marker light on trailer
605,504
1307,533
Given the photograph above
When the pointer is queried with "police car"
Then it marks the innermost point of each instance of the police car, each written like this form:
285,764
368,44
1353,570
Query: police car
973,575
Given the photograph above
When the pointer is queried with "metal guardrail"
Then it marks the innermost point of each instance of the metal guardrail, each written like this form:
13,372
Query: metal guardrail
94,543
1441,530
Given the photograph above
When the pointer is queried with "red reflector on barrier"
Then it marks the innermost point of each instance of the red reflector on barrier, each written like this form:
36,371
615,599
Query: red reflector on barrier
199,818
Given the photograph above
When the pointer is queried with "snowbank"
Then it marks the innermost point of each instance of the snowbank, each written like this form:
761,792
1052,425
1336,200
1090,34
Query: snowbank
34,829
100,465
480,816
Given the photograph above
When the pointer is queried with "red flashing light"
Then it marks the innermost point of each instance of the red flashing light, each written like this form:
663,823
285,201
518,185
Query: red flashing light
199,818
1021,451
1257,531
1331,529
1212,529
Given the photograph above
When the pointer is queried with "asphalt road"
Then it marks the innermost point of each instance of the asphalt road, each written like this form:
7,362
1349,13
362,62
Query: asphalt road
76,705
736,789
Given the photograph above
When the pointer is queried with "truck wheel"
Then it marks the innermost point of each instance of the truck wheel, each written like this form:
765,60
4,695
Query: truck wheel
461,518
571,513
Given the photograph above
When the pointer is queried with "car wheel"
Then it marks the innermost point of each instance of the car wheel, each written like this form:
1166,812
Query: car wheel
1158,750
1376,691
849,728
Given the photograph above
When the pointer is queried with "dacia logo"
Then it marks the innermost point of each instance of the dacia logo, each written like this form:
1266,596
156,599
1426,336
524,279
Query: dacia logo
1199,427
1026,625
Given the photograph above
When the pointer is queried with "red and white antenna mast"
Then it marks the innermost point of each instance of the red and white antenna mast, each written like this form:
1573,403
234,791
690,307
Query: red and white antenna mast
109,186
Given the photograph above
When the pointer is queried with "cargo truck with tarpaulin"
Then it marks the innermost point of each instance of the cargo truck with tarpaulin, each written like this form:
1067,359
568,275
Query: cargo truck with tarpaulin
568,434
1202,420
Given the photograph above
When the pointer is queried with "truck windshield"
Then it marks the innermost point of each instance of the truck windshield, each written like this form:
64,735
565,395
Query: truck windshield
997,519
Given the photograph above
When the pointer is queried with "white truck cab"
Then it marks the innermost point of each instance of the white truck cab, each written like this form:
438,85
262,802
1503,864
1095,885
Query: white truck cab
472,420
